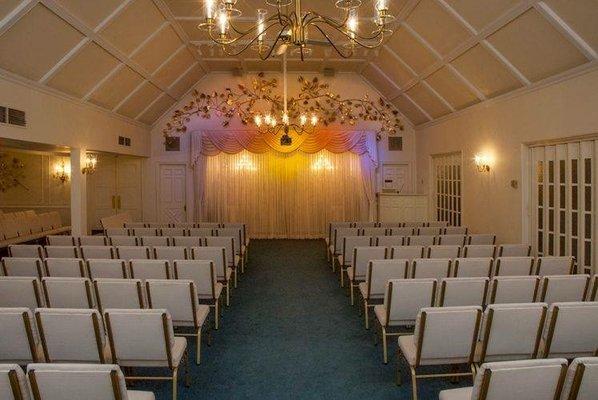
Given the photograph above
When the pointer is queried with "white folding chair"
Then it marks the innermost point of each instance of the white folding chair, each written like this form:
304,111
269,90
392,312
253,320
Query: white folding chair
437,268
403,298
345,258
26,250
62,251
511,332
20,291
19,341
362,256
232,258
201,232
572,330
173,232
563,288
103,268
133,225
402,231
208,225
481,239
185,225
118,293
423,240
68,292
153,241
140,232
60,240
582,379
22,266
72,335
239,243
331,228
407,252
514,266
123,241
391,224
187,241
452,240
378,273
170,253
95,240
179,297
414,224
513,289
463,292
436,224
514,250
444,251
365,224
13,383
388,241
133,252
145,338
479,250
555,265
428,345
336,247
65,267
239,225
472,267
218,256
373,231
157,225
97,252
149,269
429,231
526,379
117,232
81,381
455,230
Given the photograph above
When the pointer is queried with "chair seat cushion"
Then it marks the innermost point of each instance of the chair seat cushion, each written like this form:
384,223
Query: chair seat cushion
380,312
363,288
202,313
408,349
178,350
138,395
456,394
229,273
217,292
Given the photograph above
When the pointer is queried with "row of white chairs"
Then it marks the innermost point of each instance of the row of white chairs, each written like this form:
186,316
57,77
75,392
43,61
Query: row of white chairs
66,381
24,226
532,379
231,231
187,225
376,224
509,332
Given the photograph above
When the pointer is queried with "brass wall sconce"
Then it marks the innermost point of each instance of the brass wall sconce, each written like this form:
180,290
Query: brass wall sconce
91,161
482,162
62,172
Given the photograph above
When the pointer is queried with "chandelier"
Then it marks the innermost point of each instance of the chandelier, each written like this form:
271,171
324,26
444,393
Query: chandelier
292,27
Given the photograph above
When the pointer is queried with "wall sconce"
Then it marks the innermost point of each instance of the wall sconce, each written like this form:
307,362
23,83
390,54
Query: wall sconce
62,171
482,162
90,164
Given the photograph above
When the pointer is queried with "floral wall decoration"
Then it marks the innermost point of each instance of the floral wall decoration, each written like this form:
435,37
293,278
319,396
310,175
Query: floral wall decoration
11,172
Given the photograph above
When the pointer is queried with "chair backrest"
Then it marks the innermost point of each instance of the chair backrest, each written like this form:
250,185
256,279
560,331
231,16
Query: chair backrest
388,241
434,325
455,230
237,225
118,293
185,225
514,266
472,267
437,268
463,292
365,224
62,251
224,241
402,231
362,257
513,289
582,379
139,232
22,266
20,291
96,240
455,240
78,381
373,231
150,269
123,240
133,252
187,241
102,268
71,335
140,335
331,228
13,383
215,254
444,251
18,336
117,232
572,330
423,240
437,224
152,241
65,267
479,250
593,290
482,239
135,225
170,253
26,250
512,331
201,272
514,250
173,232
525,379
210,225
407,252
349,245
68,292
339,235
201,232
157,225
391,224
563,288
381,271
178,296
235,233
96,252
414,224
404,298
555,265
61,240
429,231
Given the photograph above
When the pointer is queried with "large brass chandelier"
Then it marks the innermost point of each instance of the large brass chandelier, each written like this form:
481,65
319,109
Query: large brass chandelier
290,26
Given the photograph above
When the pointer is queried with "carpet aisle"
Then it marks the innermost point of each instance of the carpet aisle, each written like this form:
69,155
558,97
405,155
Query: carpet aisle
291,334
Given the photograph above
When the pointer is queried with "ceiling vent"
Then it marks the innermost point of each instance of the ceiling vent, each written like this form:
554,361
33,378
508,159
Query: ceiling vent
12,116
3,117
329,72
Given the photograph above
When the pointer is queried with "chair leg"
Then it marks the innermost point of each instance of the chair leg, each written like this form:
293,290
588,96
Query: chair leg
198,347
342,276
228,294
414,383
236,271
175,372
351,288
216,315
366,313
384,345
187,376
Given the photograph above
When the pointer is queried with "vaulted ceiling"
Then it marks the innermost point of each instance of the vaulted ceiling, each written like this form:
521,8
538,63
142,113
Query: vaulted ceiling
137,58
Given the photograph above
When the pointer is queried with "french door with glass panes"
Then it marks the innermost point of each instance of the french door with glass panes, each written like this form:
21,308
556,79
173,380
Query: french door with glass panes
447,187
563,195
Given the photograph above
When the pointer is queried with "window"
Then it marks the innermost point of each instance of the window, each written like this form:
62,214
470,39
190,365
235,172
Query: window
447,187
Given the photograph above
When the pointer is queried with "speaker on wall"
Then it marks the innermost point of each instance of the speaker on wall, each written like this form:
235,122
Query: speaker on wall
395,143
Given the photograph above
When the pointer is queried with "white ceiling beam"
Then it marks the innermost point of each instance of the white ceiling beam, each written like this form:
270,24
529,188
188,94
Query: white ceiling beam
512,68
439,96
127,97
566,30
457,16
64,60
161,95
194,65
15,15
149,39
103,80
418,107
112,16
381,72
169,58
466,81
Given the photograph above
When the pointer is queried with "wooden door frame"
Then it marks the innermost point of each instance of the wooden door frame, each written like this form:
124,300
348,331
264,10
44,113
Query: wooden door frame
186,185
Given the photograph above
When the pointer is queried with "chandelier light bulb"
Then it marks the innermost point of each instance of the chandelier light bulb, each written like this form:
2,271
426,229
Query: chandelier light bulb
382,6
273,122
285,118
352,24
314,119
209,9
258,120
303,119
223,21
267,119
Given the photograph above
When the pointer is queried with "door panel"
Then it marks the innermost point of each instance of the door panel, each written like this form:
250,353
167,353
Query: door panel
172,195
101,189
128,186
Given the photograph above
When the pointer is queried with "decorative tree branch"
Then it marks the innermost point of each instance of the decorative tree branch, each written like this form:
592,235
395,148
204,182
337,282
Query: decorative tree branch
11,173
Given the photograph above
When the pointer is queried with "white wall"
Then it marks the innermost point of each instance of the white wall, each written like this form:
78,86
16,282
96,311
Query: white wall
500,128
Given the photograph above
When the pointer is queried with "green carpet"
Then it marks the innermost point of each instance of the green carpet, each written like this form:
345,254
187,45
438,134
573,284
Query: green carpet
291,333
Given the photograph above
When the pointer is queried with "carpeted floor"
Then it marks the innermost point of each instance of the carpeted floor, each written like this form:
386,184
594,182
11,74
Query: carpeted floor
291,333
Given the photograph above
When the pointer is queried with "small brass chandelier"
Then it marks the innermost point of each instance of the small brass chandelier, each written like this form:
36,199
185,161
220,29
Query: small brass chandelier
292,27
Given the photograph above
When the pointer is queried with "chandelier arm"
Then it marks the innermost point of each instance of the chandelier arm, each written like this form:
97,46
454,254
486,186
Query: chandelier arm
246,46
370,46
228,42
332,23
334,46
278,37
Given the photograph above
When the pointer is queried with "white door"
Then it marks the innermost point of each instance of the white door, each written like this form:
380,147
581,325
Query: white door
128,186
172,193
101,191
